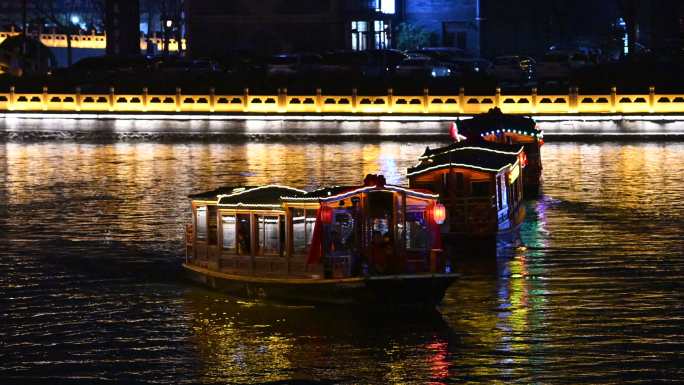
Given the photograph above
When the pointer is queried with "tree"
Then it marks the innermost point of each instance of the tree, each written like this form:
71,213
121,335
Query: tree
410,36
68,16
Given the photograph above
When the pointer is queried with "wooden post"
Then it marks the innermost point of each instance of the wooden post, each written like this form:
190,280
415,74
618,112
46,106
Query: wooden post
145,98
461,99
390,100
319,100
245,100
78,98
45,98
288,239
212,99
282,100
253,242
572,99
354,99
10,105
426,99
434,260
613,99
651,99
111,99
178,99
534,100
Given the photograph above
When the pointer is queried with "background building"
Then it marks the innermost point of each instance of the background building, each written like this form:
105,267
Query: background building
451,23
122,23
219,27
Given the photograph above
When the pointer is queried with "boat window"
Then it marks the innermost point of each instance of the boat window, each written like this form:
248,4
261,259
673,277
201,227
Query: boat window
480,189
340,238
417,231
268,235
516,191
201,222
380,212
303,222
228,223
244,237
212,225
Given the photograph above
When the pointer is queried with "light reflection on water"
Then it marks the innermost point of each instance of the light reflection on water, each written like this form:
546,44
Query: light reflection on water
90,242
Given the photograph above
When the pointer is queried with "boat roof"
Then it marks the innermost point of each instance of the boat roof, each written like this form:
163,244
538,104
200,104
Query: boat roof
512,149
213,194
336,193
259,196
248,195
271,196
494,120
474,158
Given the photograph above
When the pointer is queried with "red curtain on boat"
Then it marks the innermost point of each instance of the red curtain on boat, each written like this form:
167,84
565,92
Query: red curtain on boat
316,250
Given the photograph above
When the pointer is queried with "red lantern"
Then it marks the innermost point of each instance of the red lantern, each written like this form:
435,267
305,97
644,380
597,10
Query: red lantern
439,213
326,215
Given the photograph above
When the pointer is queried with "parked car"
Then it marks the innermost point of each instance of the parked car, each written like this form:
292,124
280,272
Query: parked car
368,64
423,67
464,62
175,64
559,65
513,68
293,64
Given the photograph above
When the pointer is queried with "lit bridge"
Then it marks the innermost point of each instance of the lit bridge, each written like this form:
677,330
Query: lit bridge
571,104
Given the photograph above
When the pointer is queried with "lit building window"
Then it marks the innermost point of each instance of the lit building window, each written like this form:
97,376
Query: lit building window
382,35
385,6
359,33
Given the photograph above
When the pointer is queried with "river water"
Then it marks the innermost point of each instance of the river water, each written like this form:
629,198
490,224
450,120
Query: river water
91,291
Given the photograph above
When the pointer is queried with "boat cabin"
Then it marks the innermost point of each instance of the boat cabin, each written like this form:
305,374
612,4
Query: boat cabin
335,232
480,186
496,127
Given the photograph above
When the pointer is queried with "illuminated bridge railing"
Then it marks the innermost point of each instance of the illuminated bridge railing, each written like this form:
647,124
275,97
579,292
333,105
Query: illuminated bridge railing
92,41
320,103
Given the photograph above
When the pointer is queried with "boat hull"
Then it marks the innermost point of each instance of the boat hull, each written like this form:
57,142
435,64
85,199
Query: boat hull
399,290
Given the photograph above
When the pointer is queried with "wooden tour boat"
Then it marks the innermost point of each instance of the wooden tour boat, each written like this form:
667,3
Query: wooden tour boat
374,244
497,127
480,184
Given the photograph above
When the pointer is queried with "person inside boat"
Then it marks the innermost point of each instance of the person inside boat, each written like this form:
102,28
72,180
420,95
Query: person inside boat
243,236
